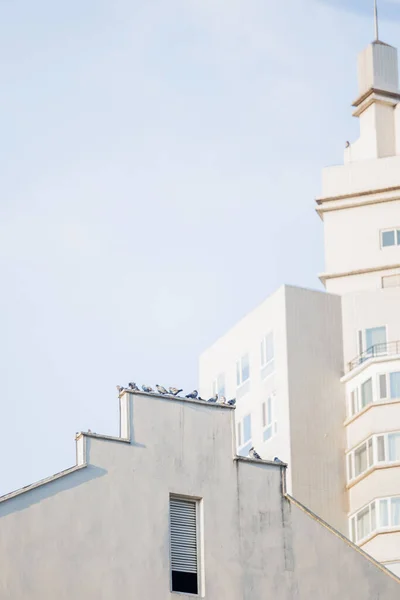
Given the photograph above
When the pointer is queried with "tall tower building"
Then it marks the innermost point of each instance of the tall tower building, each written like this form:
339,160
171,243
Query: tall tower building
317,375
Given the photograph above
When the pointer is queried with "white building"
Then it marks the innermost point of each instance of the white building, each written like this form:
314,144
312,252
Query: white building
167,511
317,375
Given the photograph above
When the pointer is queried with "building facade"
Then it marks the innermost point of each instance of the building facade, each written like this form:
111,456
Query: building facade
317,375
167,510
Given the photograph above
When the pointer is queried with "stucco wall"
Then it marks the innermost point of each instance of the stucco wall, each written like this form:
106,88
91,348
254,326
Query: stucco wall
317,402
103,532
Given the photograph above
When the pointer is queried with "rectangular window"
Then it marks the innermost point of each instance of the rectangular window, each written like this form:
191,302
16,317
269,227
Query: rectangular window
184,551
394,447
246,428
390,237
375,340
242,369
360,460
219,385
363,523
383,513
268,418
353,402
395,512
350,472
395,385
366,393
382,387
380,443
267,355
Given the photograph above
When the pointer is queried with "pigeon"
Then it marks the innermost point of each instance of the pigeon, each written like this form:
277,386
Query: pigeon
278,460
232,402
222,399
147,389
254,454
132,385
213,399
347,144
193,395
161,389
120,389
174,391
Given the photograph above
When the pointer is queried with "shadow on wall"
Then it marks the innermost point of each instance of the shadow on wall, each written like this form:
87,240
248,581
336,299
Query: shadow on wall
51,488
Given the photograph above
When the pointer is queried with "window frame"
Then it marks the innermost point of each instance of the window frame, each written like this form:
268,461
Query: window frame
362,342
240,433
372,455
269,426
396,232
375,510
267,367
239,370
199,543
217,388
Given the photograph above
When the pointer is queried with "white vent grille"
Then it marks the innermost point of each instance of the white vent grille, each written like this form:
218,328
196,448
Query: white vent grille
183,535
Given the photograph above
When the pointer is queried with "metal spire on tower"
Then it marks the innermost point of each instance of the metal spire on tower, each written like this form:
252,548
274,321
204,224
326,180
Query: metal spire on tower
376,21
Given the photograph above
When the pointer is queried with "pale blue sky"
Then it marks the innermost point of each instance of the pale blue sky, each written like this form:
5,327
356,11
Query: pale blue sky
159,163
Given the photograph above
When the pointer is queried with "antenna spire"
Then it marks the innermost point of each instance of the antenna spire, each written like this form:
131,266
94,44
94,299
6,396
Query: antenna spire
376,21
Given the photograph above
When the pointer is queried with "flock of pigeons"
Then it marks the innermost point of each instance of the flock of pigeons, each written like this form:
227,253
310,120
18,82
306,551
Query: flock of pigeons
173,391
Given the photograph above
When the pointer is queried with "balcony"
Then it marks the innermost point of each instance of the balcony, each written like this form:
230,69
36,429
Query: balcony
384,349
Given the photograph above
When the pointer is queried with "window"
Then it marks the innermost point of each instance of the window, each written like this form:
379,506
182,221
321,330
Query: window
184,548
389,386
379,515
267,355
366,393
219,385
268,419
242,370
244,436
390,237
378,449
389,281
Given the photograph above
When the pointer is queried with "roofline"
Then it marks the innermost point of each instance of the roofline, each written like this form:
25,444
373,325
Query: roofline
322,199
337,533
41,482
327,276
169,397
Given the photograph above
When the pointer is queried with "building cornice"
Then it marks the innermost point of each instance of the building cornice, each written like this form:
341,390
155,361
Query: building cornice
324,199
326,276
42,482
367,408
385,93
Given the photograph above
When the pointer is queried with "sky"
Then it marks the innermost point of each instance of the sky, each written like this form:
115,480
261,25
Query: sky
159,163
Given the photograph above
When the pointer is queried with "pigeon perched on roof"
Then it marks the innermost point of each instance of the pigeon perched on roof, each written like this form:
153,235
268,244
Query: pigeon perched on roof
147,389
254,454
213,399
132,386
193,395
174,391
120,389
161,389
347,144
232,402
278,460
222,399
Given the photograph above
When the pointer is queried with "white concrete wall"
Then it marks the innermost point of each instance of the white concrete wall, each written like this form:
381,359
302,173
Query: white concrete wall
359,176
367,309
221,357
381,482
317,403
103,532
352,238
358,283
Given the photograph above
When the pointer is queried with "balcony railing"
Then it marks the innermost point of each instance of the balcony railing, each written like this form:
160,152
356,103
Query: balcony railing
384,349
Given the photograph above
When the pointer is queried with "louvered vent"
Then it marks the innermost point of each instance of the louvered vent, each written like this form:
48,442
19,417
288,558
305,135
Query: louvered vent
183,545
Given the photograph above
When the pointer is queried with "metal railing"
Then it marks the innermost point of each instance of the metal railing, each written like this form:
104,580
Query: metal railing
384,349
